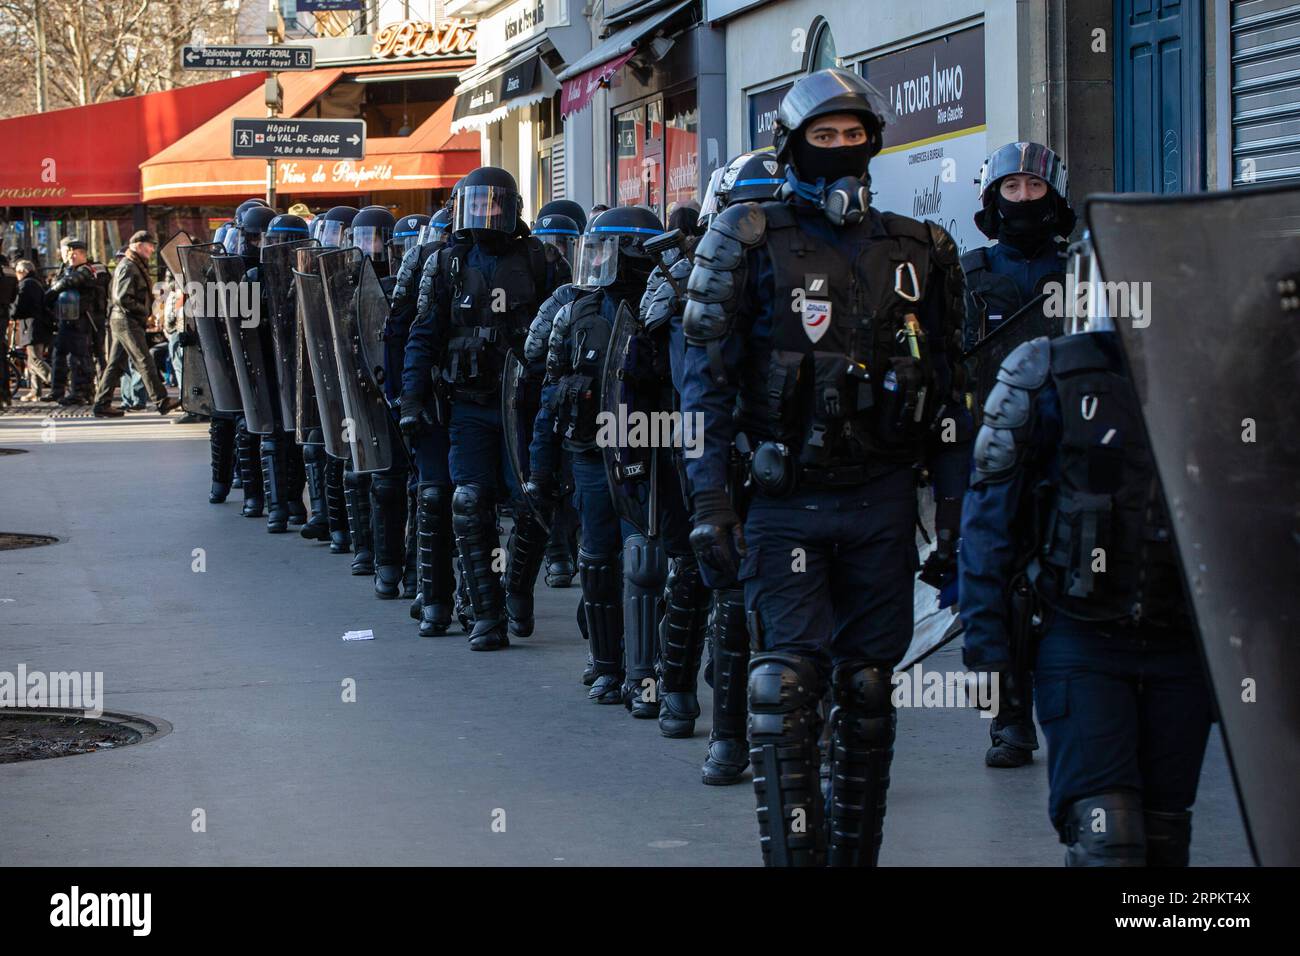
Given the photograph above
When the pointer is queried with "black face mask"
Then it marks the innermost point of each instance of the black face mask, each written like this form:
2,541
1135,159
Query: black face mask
1027,226
814,162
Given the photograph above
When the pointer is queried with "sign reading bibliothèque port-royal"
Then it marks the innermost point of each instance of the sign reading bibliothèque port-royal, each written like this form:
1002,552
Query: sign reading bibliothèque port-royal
273,58
273,138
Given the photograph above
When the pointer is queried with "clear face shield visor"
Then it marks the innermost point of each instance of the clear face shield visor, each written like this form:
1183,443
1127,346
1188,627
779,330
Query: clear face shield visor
712,204
566,244
234,243
597,261
487,207
431,233
371,240
399,246
331,232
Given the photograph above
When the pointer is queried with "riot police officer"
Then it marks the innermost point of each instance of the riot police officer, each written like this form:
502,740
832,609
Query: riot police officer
1024,207
78,297
565,207
750,177
612,270
1063,472
487,284
818,330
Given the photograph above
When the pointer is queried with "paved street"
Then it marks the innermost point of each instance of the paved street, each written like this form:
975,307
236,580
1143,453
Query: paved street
246,662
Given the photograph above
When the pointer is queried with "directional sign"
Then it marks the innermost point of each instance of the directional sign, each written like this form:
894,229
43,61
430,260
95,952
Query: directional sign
270,138
277,58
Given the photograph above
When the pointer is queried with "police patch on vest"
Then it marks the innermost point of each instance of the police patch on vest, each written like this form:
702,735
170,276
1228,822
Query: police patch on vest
816,318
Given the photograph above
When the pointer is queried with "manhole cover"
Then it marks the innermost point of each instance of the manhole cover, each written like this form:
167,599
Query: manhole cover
38,733
13,540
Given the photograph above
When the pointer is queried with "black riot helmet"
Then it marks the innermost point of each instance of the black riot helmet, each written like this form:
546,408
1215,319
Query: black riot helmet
251,226
564,207
750,177
612,250
435,230
1052,216
559,232
285,228
334,222
233,239
406,233
488,202
370,231
820,94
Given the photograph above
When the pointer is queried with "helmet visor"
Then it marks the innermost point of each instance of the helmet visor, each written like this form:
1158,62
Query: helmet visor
235,243
564,243
401,245
331,232
1032,158
713,202
597,264
431,233
487,207
371,240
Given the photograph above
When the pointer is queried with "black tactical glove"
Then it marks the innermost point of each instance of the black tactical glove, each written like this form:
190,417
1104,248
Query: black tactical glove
718,539
542,489
415,416
941,566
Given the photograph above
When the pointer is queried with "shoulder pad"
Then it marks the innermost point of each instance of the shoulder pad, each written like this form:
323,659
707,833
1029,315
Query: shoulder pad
655,280
945,250
657,308
681,268
779,214
1007,406
704,321
719,250
995,455
711,285
539,331
1028,365
897,225
744,222
973,260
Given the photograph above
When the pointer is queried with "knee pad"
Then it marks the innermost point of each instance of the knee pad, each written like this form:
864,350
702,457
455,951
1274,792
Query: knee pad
864,712
1105,830
645,565
433,496
784,690
469,500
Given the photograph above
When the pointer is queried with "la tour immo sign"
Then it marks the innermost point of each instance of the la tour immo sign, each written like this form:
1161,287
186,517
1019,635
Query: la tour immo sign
418,38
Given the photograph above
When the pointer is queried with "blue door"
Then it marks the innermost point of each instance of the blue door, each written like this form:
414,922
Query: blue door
1159,97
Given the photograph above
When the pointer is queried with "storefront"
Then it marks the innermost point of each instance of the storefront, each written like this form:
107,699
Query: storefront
56,181
511,96
401,82
656,90
928,59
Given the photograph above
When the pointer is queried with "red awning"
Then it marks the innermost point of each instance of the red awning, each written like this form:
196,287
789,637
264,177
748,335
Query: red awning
200,166
579,90
91,155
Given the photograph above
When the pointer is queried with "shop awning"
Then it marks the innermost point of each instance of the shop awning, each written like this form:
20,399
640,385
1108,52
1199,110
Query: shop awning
200,167
51,159
591,72
488,94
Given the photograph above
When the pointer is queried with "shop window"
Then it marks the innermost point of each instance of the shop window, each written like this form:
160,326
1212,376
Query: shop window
656,153
629,154
681,152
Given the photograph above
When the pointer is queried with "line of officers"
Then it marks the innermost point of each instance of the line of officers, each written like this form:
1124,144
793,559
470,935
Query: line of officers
421,376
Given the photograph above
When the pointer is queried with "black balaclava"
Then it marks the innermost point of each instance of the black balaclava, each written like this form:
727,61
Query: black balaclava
815,162
1027,226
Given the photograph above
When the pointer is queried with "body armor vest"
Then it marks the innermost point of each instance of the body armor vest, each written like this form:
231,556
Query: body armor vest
991,297
576,400
1107,552
848,385
489,317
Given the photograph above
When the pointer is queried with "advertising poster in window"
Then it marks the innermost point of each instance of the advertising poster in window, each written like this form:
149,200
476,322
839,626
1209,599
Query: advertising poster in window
933,152
629,155
681,152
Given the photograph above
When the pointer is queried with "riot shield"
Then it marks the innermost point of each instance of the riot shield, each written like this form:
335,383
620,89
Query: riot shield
1201,290
628,391
277,277
345,274
520,400
932,626
322,369
240,306
203,318
196,393
1030,321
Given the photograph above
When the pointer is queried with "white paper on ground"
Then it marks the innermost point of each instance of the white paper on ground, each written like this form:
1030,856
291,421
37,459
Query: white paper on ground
366,635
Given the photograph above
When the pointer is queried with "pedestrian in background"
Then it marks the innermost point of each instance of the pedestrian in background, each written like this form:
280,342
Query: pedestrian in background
132,304
34,328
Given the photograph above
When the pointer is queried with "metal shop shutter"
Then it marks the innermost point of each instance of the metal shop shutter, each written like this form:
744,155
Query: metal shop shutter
1265,38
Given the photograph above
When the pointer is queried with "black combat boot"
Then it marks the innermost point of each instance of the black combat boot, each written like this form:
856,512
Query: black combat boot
682,646
437,580
464,607
527,549
317,527
1012,729
728,747
295,478
645,570
388,504
602,602
248,452
274,481
221,445
473,519
356,489
336,508
560,566
784,727
862,748
1108,829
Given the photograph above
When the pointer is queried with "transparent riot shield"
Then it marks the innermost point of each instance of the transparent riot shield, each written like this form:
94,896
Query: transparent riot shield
277,264
318,346
351,285
203,316
1202,292
628,387
240,305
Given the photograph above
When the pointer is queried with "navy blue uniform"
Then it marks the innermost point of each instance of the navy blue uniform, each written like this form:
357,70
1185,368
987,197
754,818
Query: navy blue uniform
1120,693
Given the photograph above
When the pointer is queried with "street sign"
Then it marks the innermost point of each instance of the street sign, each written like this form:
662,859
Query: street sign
272,138
321,6
277,58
